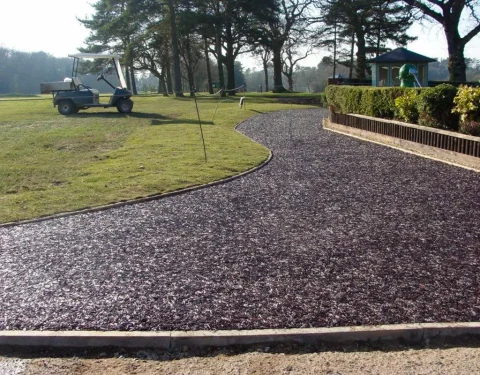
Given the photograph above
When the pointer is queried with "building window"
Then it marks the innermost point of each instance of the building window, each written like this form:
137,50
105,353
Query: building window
383,75
395,73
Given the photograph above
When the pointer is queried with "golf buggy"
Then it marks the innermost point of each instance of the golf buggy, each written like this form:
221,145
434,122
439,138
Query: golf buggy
71,95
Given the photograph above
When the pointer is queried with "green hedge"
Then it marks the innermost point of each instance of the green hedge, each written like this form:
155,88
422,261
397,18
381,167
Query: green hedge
434,104
369,101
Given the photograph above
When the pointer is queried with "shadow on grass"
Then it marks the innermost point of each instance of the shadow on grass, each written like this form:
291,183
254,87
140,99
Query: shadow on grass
180,121
155,118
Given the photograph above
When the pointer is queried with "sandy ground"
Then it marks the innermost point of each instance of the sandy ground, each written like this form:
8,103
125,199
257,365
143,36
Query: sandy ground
443,359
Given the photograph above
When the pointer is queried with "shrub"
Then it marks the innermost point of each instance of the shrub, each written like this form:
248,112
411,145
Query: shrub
323,99
406,106
467,105
470,127
344,99
380,101
435,104
369,101
432,105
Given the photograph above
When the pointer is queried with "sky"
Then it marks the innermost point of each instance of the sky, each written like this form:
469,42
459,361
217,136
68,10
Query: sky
51,26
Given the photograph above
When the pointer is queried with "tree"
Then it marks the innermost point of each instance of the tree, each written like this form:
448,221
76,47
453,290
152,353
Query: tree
370,23
152,53
175,52
189,42
265,55
289,16
149,48
291,58
191,55
207,65
235,24
449,14
21,72
389,21
207,31
239,75
212,10
112,28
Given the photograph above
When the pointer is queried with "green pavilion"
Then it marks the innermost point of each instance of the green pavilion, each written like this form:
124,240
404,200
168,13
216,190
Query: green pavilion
386,67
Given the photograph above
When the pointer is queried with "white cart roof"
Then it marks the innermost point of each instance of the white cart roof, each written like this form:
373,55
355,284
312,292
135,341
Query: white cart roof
93,56
115,58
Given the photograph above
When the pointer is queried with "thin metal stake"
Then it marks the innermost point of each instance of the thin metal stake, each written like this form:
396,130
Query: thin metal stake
219,100
200,123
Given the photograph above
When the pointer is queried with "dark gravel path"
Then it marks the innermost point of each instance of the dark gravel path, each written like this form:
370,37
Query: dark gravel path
333,232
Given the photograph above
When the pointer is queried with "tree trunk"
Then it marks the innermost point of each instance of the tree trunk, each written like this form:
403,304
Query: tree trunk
168,76
176,56
230,60
449,17
133,83
456,58
127,77
457,65
361,58
334,49
290,81
159,87
188,66
162,88
352,53
277,69
230,65
220,58
207,62
265,70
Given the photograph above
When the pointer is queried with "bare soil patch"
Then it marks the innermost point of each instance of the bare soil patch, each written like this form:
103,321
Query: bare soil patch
459,356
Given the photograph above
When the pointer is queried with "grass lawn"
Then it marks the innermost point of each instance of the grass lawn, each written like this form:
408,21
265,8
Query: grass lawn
51,163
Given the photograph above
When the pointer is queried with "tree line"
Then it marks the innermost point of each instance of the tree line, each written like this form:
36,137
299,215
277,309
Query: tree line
22,72
172,38
190,44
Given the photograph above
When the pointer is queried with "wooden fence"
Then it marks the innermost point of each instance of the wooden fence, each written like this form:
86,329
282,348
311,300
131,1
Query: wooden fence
462,144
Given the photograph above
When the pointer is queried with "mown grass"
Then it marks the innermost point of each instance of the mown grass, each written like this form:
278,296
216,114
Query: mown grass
50,163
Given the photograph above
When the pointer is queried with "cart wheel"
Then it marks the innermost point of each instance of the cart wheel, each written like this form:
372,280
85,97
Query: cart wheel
124,105
67,107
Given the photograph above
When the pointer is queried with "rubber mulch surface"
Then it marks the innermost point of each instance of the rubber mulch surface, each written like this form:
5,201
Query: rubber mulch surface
332,232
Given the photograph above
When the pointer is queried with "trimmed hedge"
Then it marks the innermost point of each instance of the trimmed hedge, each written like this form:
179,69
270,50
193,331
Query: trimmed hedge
369,101
434,104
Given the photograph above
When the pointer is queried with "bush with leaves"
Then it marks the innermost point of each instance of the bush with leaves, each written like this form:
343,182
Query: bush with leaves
431,105
406,106
369,101
435,104
467,105
380,101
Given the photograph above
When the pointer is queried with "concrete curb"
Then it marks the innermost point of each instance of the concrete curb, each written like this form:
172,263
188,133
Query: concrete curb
147,198
179,339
